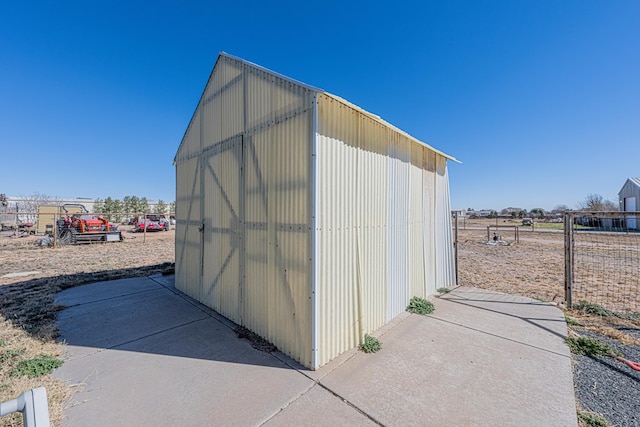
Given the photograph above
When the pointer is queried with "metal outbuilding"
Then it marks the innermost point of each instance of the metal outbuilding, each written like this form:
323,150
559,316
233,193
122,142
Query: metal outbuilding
304,218
629,197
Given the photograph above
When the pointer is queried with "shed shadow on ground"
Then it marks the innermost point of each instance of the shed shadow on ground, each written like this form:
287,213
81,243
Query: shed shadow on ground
30,304
148,315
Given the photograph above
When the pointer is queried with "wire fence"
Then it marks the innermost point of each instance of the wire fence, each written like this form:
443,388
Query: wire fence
602,260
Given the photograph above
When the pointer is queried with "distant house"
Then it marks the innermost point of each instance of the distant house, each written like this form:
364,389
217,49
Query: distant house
629,196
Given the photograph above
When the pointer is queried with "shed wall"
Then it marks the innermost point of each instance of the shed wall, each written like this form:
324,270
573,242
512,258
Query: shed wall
383,227
243,243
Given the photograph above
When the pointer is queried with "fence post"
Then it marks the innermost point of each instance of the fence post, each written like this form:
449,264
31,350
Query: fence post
568,257
455,245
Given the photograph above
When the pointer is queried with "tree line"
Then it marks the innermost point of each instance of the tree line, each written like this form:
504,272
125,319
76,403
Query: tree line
591,203
114,209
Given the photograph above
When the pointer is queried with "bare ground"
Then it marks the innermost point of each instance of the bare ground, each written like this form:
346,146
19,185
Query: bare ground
534,267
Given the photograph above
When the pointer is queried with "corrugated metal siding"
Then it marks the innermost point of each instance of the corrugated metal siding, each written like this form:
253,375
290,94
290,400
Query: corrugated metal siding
371,221
188,244
223,234
377,215
351,232
397,225
255,246
445,264
191,141
429,206
416,224
336,204
278,232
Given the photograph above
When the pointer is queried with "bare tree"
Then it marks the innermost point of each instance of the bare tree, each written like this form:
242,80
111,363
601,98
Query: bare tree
596,203
30,204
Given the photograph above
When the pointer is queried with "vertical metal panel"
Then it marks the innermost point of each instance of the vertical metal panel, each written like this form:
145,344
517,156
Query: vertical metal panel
222,243
445,267
397,225
416,224
430,247
278,264
187,233
351,209
259,88
191,141
371,226
222,103
337,287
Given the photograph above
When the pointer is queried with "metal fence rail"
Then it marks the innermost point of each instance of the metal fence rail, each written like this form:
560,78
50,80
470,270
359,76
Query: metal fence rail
602,260
32,404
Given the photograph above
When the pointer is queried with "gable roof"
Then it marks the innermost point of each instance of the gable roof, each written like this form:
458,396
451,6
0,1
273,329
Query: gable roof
313,89
630,181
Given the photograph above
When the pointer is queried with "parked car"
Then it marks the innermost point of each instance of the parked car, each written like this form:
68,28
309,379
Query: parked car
153,223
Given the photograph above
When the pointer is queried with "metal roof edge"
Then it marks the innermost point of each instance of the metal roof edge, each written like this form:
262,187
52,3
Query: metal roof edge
386,123
313,89
197,106
267,70
247,63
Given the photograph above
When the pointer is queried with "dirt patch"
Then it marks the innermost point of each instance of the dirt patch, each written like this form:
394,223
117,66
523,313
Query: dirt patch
533,267
256,340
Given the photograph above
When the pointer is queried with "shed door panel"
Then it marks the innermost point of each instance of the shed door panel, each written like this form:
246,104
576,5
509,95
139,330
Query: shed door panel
222,236
187,223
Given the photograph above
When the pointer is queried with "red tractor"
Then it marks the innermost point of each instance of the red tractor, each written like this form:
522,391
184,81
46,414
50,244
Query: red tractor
81,227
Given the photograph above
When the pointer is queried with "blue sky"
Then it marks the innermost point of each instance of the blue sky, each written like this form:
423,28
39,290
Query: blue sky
540,100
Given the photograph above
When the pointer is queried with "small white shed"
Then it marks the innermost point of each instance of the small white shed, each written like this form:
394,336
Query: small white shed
303,217
629,197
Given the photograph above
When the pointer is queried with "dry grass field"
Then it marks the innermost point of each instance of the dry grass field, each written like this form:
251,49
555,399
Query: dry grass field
534,267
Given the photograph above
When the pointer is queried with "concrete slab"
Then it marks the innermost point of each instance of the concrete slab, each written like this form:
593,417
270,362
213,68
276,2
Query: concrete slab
109,322
145,354
104,290
512,317
193,375
441,371
319,407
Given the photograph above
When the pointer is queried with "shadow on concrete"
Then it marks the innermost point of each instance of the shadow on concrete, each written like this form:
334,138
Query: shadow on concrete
29,304
534,321
148,315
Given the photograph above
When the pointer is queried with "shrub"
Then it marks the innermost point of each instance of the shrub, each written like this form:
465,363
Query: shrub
37,367
419,305
370,344
587,346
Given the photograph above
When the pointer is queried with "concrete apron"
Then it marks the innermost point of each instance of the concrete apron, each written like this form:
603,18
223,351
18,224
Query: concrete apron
142,353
